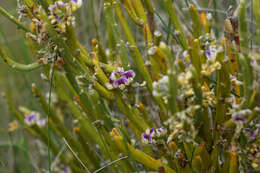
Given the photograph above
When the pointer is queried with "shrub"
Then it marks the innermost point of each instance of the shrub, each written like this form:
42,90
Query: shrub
190,104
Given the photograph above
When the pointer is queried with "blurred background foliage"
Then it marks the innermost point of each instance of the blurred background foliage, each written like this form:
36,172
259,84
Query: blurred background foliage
18,152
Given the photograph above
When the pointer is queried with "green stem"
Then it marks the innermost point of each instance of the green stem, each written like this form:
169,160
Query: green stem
18,66
14,20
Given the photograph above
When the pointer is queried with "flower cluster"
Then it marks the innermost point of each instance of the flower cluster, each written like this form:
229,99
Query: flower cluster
240,116
182,125
185,84
209,68
34,119
211,64
211,53
254,151
61,14
208,96
152,135
120,78
161,87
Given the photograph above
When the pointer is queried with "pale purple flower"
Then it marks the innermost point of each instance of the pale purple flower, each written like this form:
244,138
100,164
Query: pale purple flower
57,17
41,122
78,2
66,169
121,78
250,132
57,4
211,53
147,137
208,53
160,132
253,62
34,119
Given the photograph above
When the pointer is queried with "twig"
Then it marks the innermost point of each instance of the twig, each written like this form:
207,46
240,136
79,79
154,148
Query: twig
75,155
57,158
110,164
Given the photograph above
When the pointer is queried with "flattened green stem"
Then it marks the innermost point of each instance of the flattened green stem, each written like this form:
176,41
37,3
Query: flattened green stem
223,89
205,157
148,5
150,15
136,53
138,6
131,12
173,84
87,128
37,132
100,51
158,62
256,6
247,75
115,31
195,56
197,26
233,167
99,72
83,139
14,20
243,28
196,85
215,15
137,120
133,48
111,38
176,23
140,156
60,126
18,66
43,3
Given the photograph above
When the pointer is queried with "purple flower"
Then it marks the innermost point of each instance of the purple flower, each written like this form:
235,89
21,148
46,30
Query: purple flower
34,119
254,63
120,78
250,132
129,74
208,53
58,4
66,169
120,81
31,119
211,53
147,137
239,119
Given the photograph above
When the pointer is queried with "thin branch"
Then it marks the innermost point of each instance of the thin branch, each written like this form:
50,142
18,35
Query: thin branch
56,160
75,155
110,163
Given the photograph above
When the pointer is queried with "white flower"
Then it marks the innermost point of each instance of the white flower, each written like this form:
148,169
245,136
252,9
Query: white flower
78,3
